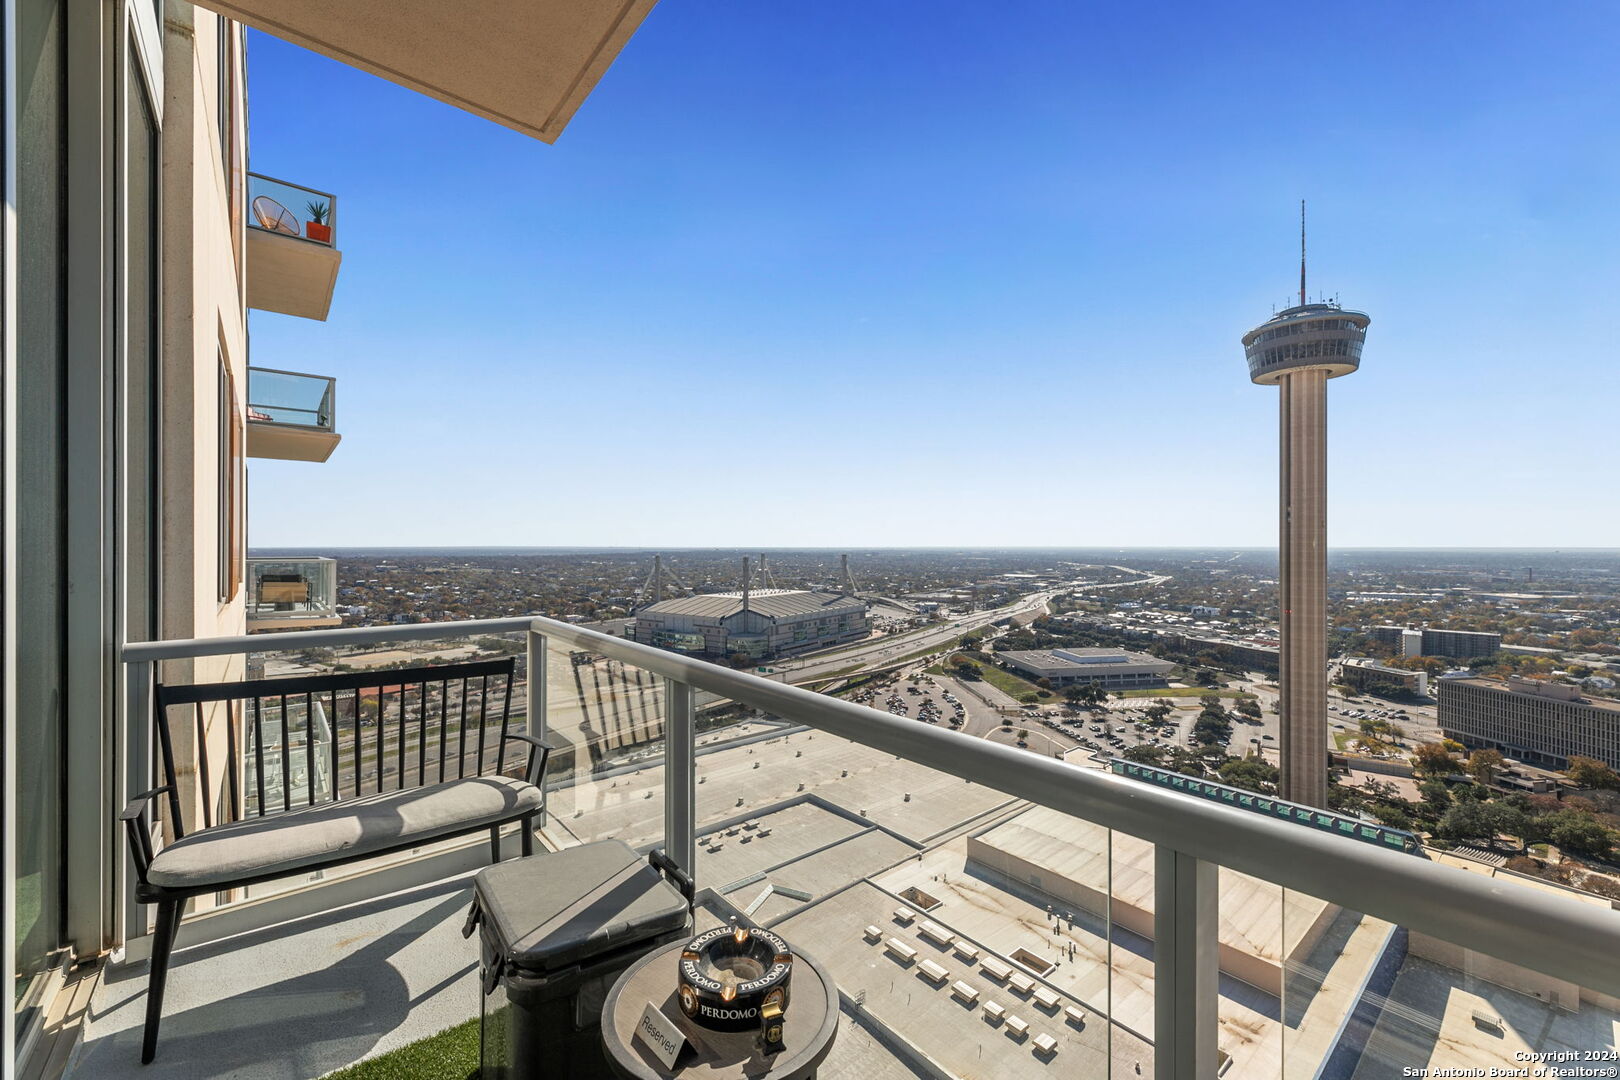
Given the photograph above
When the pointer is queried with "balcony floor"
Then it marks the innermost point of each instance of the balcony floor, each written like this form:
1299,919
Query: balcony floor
298,1000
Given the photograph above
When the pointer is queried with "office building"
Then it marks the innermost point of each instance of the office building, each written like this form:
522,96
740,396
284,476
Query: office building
1364,674
1298,350
1543,723
1247,652
1112,669
1460,644
1428,641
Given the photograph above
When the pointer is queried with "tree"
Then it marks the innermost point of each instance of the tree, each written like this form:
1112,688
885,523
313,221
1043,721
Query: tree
1212,728
968,671
1579,833
1157,713
1074,694
1433,760
1145,754
1436,797
1092,694
1253,774
1044,683
1590,773
1465,820
1394,815
1023,736
1483,765
1505,819
1249,707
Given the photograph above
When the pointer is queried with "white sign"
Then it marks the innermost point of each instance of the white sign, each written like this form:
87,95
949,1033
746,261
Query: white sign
656,1033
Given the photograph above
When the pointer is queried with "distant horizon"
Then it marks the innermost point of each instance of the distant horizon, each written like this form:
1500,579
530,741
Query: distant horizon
654,549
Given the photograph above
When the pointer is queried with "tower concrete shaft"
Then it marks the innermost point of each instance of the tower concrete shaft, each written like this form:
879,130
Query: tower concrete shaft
1298,350
1302,586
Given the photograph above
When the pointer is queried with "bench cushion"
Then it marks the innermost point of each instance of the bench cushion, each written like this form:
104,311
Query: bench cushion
329,832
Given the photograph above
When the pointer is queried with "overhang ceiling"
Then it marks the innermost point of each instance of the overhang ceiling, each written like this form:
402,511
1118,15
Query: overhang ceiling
526,64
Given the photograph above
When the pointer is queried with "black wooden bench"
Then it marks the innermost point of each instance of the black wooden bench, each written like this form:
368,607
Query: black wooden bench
324,770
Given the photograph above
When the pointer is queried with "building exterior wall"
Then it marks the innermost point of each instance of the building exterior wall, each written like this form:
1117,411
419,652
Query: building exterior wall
1378,677
1533,727
204,541
1255,656
1139,671
1460,644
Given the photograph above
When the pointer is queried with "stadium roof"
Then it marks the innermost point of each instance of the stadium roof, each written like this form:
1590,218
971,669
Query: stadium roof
775,603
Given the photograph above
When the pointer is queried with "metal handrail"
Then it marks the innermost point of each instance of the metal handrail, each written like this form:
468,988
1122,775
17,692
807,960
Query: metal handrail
1557,935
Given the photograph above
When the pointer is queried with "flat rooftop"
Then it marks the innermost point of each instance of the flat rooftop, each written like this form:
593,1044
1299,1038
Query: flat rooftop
1501,687
1087,660
954,1034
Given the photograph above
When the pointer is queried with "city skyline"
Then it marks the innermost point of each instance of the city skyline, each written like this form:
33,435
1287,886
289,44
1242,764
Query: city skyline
904,253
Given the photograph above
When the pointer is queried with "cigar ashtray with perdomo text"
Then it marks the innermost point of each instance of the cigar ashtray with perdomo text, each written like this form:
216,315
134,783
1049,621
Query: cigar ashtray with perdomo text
733,975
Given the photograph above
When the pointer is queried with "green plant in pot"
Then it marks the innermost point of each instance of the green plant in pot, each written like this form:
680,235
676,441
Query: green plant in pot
318,226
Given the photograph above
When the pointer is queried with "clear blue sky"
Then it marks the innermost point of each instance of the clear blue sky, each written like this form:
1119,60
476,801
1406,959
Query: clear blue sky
897,273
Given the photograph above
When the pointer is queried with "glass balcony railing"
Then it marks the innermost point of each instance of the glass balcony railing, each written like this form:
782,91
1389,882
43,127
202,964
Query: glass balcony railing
1089,923
276,206
291,592
291,415
291,397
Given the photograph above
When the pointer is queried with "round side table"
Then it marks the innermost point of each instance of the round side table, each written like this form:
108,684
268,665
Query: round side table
808,1029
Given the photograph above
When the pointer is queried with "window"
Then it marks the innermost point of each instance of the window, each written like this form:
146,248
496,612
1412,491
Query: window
226,76
229,558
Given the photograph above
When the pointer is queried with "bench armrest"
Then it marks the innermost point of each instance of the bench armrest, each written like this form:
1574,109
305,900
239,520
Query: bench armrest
139,832
137,803
538,748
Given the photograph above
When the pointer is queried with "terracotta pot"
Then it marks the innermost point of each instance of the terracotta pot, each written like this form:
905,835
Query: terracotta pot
323,233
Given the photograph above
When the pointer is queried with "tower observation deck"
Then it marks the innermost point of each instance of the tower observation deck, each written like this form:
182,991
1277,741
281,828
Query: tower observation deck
1298,350
1322,336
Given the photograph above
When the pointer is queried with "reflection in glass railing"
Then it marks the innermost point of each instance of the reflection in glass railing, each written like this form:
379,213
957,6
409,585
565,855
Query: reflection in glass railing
1366,998
605,721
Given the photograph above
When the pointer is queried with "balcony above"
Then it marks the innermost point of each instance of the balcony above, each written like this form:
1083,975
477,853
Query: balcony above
294,593
291,415
292,258
525,65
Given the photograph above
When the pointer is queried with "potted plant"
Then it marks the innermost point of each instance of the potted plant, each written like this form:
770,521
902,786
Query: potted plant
316,228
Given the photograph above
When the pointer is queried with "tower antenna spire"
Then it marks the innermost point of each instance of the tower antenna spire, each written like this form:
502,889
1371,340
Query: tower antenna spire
1302,253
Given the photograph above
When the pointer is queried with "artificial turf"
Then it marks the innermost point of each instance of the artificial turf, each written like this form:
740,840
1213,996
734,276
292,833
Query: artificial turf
452,1054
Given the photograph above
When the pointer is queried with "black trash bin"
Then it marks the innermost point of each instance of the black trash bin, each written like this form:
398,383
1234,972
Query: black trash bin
557,930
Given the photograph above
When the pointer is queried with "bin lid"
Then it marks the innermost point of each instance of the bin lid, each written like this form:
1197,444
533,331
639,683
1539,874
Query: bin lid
548,911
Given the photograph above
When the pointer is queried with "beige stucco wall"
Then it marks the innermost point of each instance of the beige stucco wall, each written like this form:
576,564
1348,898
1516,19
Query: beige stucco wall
203,318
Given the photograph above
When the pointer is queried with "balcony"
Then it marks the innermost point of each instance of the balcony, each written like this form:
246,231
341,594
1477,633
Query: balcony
292,593
1134,930
292,252
291,416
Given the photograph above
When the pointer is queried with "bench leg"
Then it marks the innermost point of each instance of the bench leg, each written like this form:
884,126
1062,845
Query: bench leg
528,836
495,843
168,927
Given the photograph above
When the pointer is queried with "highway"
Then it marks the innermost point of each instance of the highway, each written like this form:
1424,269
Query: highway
878,651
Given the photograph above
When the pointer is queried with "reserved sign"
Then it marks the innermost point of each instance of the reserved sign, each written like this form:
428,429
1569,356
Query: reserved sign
656,1033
